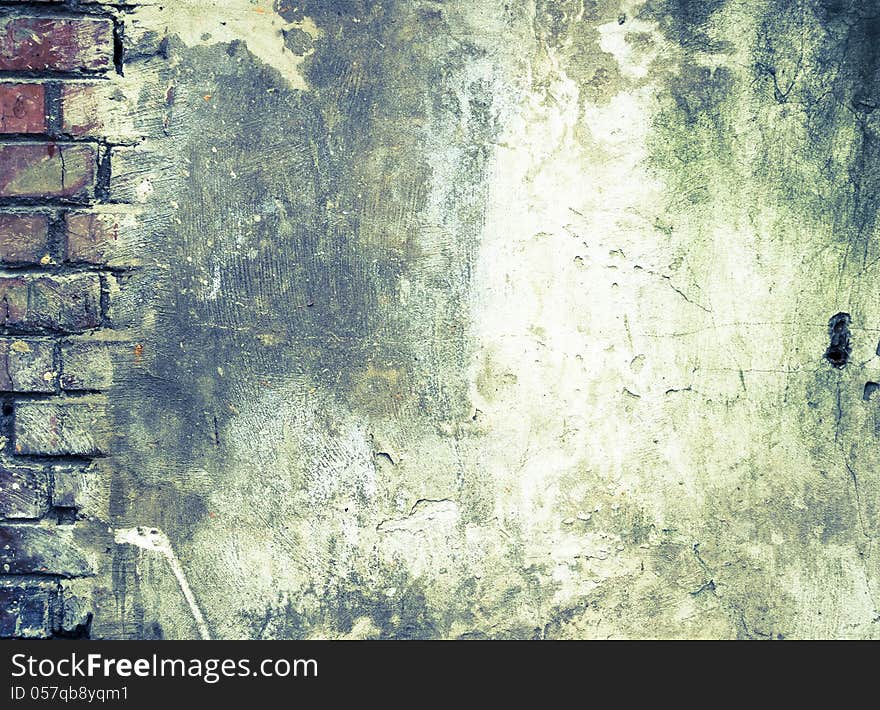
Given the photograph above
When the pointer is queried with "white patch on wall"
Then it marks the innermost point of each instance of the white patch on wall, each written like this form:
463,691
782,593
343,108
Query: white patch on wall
207,22
425,539
154,540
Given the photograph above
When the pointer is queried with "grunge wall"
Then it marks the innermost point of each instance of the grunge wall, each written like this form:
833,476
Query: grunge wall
422,319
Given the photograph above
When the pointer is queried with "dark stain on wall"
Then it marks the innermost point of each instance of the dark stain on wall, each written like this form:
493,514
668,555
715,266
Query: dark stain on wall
811,98
687,22
295,218
789,147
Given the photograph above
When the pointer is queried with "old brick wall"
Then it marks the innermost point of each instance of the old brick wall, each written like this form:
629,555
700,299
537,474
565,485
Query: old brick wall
59,235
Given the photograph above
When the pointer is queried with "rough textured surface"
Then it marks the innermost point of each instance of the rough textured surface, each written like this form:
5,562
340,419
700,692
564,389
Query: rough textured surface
69,428
57,313
475,319
68,303
41,551
23,493
27,610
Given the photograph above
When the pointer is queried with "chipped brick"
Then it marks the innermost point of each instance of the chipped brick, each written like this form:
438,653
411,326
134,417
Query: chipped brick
27,610
24,493
32,549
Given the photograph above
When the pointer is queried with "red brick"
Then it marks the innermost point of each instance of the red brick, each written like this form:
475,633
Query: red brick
22,108
36,44
37,170
91,237
24,238
69,304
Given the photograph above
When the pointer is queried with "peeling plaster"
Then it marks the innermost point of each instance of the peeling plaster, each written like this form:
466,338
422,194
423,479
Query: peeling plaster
254,22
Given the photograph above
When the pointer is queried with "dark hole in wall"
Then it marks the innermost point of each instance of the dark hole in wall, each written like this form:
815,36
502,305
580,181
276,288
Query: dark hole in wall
66,516
870,389
7,419
840,347
118,48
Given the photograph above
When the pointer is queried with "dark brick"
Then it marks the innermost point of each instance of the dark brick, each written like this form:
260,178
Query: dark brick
76,609
39,44
33,549
27,365
47,170
24,493
28,610
69,304
22,108
67,486
61,428
24,238
13,300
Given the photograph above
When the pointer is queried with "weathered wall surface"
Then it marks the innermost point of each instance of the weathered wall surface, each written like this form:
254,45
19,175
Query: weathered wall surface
488,320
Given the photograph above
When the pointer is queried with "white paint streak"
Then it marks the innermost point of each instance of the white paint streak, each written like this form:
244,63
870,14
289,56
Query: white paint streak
208,22
154,540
